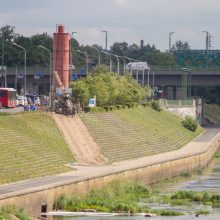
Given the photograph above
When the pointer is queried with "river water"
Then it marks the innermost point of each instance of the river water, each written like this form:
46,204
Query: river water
204,182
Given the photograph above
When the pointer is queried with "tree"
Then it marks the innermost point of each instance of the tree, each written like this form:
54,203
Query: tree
180,45
109,88
120,49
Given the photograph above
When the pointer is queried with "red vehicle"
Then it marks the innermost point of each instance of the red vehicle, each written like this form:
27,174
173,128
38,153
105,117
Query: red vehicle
8,97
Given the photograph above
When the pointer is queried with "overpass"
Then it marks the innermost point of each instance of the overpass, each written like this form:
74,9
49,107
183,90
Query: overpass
168,79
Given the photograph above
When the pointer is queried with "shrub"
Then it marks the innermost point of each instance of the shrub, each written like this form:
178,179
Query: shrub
190,123
155,105
93,109
147,104
202,212
167,212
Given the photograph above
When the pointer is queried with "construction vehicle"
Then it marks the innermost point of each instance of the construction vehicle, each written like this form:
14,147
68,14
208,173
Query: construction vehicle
63,103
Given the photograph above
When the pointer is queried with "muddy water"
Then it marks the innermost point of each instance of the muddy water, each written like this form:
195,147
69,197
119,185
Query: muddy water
205,182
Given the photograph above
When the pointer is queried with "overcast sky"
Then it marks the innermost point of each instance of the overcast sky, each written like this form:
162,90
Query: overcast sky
125,20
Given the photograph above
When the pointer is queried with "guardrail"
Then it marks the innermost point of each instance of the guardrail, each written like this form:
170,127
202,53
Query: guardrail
189,68
167,102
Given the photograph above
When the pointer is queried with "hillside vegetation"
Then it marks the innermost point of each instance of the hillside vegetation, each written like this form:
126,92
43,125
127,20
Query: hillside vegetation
31,146
133,133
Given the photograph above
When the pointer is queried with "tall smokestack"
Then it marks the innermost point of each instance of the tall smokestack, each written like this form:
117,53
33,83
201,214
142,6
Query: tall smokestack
142,44
61,54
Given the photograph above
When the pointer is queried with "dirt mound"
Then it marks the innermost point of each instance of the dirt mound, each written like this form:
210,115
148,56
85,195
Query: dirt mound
81,143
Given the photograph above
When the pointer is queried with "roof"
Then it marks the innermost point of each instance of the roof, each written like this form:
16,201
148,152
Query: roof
8,89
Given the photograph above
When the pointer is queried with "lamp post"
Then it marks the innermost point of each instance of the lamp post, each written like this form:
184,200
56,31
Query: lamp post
98,53
110,64
135,68
25,58
118,70
3,57
123,61
106,40
129,61
87,59
44,48
170,40
207,40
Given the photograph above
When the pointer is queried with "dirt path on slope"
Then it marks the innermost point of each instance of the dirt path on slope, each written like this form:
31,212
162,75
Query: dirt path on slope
81,143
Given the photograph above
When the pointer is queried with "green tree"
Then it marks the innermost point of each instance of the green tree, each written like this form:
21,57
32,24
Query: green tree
109,88
181,45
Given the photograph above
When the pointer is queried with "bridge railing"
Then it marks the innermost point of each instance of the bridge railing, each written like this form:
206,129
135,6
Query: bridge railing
168,102
190,68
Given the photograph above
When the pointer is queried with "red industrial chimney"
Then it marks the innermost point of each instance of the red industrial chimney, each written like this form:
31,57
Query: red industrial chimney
61,54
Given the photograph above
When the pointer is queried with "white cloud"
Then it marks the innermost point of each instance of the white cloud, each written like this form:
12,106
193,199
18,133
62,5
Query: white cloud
125,20
120,2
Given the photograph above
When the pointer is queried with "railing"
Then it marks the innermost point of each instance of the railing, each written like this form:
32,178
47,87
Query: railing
168,102
190,68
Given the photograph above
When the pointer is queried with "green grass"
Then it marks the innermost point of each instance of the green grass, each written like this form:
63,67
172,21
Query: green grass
132,133
9,212
212,113
117,196
133,197
31,146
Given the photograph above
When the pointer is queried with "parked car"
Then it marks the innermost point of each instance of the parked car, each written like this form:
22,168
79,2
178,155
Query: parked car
22,100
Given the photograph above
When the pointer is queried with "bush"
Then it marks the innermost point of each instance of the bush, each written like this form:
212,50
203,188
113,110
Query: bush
155,105
202,212
132,105
93,109
190,123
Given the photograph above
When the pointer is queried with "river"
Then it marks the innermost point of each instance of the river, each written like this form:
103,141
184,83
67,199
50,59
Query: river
204,182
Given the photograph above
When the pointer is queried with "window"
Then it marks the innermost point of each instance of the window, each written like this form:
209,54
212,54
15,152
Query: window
3,93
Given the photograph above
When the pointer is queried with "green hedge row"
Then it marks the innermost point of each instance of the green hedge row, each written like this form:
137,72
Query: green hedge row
153,104
110,108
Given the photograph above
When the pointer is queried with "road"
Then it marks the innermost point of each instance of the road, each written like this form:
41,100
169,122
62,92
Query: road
12,110
84,172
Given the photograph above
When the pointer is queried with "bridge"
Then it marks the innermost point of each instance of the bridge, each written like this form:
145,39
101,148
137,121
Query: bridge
168,79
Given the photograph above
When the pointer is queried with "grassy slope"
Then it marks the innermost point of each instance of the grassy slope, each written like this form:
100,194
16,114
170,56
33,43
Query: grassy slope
128,134
31,146
212,112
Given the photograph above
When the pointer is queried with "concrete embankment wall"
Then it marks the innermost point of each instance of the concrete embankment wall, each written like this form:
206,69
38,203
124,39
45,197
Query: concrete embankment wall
33,200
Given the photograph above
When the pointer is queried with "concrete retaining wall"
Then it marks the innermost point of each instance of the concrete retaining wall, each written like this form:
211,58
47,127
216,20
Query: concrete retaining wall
183,111
33,201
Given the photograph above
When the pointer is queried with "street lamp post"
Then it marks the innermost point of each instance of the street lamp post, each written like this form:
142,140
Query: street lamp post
44,48
207,40
98,53
123,61
25,58
129,61
118,70
135,68
3,57
87,59
110,64
170,40
106,40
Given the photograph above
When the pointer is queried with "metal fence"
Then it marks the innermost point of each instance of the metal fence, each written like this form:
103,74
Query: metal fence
168,102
